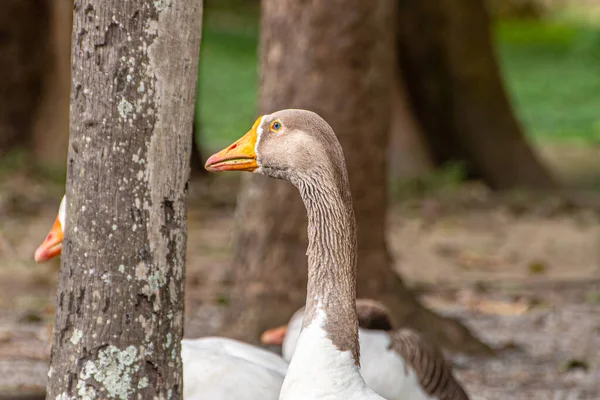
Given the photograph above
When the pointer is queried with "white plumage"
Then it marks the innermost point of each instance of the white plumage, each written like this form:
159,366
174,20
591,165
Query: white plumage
216,368
383,370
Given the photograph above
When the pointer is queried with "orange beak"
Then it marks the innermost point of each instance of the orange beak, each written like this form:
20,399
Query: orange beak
52,246
240,156
274,336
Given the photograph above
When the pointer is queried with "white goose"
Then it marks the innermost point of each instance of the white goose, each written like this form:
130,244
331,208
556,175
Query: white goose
220,368
300,147
396,364
213,367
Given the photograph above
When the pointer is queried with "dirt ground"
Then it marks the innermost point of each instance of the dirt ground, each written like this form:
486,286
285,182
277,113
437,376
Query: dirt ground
521,270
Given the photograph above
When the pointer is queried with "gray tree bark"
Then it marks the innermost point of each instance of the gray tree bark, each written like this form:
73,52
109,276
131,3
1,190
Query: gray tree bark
119,317
337,59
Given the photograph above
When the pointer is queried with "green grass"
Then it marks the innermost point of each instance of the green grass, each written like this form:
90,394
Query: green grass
551,68
228,76
552,71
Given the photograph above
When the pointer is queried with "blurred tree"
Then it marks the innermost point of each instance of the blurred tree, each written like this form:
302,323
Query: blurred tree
51,127
23,48
529,9
197,159
335,58
406,137
119,317
455,88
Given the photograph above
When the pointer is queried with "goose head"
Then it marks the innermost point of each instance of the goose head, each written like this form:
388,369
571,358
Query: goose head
52,245
290,144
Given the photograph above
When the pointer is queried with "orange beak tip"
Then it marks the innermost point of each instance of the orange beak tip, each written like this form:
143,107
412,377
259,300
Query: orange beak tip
40,255
274,336
265,338
45,253
52,245
212,164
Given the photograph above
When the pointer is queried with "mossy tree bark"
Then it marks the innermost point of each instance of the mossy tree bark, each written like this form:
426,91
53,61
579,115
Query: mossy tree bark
119,317
335,58
454,84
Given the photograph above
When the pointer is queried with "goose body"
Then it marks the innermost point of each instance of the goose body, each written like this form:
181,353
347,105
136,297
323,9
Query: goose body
333,373
220,368
396,364
300,147
214,368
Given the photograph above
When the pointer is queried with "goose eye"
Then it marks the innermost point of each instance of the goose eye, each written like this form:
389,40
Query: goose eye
275,126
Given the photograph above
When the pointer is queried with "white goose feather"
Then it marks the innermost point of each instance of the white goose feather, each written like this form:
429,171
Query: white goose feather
220,368
382,369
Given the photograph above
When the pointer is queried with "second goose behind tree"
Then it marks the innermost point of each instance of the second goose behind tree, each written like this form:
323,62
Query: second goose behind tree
398,364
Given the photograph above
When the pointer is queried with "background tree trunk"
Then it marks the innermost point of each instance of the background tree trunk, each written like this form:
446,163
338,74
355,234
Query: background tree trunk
338,64
51,128
197,159
526,9
455,87
408,154
119,317
23,49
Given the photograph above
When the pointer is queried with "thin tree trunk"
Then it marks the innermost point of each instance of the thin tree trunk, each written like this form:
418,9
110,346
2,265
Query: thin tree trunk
197,159
455,86
407,153
119,317
335,58
51,128
23,56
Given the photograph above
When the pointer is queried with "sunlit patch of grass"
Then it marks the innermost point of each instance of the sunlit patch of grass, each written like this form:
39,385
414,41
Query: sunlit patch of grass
15,160
552,74
444,179
551,70
228,74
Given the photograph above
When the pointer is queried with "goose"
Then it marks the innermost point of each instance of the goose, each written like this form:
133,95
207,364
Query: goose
300,147
392,361
213,367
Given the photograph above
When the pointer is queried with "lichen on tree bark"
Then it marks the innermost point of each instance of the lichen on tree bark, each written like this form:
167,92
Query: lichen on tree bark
119,317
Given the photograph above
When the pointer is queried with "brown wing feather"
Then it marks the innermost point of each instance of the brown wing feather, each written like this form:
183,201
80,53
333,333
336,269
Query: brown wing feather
433,372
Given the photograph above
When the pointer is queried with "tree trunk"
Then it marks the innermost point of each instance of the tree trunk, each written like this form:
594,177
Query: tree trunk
51,128
23,51
455,87
335,58
523,9
119,317
407,153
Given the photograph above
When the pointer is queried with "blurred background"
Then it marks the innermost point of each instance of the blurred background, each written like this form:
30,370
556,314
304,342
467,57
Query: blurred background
492,182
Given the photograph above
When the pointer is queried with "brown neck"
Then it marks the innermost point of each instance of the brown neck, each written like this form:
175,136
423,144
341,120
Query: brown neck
331,258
